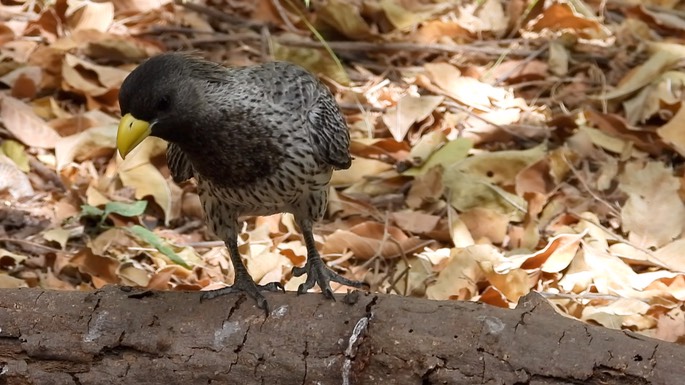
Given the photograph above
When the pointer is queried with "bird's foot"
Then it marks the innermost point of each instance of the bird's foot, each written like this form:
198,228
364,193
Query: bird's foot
317,272
248,286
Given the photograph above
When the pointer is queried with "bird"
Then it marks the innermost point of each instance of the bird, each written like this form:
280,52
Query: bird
259,140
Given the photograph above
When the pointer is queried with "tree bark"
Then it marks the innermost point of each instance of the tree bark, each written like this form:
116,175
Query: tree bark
124,336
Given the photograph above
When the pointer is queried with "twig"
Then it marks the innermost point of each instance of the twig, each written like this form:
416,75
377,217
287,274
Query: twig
505,128
284,16
587,188
521,65
363,46
207,244
160,29
189,226
28,245
221,16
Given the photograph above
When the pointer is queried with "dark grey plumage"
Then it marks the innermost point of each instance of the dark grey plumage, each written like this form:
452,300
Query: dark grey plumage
259,140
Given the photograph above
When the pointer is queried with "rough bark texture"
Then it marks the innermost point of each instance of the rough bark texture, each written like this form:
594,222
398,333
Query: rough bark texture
118,336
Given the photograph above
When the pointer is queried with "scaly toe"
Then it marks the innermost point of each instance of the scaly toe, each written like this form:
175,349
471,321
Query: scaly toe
272,286
298,271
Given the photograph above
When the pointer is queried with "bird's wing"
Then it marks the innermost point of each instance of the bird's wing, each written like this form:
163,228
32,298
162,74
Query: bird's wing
293,88
329,133
297,89
179,165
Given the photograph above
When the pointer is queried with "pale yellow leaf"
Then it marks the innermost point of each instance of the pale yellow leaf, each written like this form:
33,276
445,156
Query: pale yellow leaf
449,154
59,235
85,15
401,17
360,168
558,58
108,77
345,17
133,275
85,144
14,180
644,74
673,132
466,90
9,282
459,277
144,177
409,110
654,213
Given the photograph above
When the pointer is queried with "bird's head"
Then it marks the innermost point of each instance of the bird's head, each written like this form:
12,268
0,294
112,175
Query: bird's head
156,99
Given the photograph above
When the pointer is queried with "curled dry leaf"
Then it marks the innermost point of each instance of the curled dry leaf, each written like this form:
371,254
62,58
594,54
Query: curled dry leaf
485,16
345,17
461,274
14,180
88,144
132,274
403,18
553,258
409,110
369,239
316,61
361,167
74,72
673,132
85,15
562,17
659,62
624,312
25,125
138,172
59,235
103,270
466,90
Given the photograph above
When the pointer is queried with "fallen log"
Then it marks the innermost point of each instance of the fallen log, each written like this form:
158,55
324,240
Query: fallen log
120,335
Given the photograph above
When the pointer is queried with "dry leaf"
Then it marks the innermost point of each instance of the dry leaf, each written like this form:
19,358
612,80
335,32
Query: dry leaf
25,125
654,213
409,110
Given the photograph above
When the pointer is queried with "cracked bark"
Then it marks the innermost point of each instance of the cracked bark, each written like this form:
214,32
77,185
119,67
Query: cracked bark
120,336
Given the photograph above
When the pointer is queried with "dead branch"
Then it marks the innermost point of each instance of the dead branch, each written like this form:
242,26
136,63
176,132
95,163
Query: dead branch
117,335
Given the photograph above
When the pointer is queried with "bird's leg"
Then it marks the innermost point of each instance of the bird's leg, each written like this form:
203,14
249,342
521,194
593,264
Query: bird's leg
317,272
243,282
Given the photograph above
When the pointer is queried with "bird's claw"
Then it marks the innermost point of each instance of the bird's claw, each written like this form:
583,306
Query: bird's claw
248,286
318,273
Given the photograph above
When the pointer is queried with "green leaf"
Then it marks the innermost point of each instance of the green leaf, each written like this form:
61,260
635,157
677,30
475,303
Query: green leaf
126,209
121,208
91,211
15,151
449,154
157,242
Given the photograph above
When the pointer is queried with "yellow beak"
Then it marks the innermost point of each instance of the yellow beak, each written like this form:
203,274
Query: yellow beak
130,133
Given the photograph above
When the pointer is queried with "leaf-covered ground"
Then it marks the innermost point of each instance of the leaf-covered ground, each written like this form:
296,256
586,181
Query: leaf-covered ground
500,147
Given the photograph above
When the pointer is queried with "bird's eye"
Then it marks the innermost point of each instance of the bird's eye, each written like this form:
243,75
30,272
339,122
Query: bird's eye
164,103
